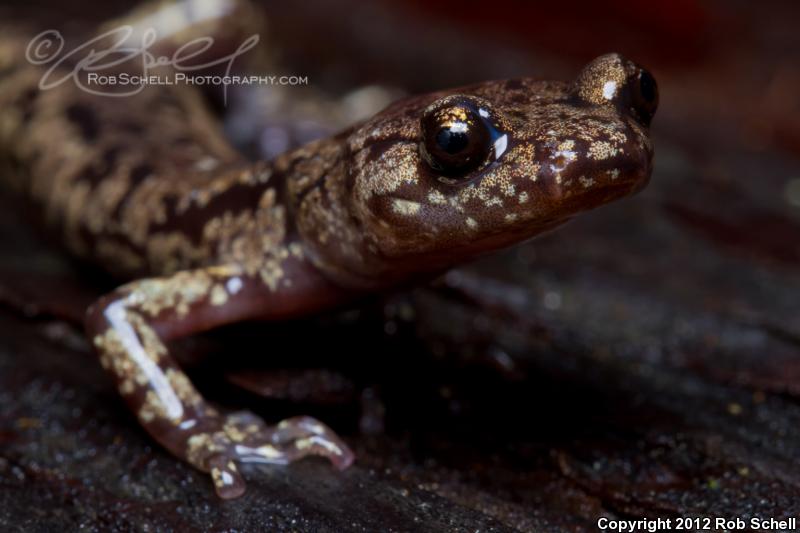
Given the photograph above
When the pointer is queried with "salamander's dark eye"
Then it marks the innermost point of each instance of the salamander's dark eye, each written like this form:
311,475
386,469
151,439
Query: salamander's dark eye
457,136
645,96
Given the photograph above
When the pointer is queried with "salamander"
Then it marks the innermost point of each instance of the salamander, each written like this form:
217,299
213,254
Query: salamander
149,188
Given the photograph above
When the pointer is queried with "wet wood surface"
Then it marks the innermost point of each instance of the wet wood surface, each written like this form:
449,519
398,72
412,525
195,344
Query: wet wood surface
641,362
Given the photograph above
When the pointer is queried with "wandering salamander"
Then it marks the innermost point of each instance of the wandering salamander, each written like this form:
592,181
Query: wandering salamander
147,187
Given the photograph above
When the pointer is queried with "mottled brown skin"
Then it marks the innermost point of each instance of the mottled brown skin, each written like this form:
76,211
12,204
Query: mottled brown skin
148,188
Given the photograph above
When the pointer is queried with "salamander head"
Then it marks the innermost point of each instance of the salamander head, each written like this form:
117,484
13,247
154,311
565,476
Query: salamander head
437,179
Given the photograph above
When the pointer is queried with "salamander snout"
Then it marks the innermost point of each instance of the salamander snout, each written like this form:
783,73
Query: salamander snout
614,80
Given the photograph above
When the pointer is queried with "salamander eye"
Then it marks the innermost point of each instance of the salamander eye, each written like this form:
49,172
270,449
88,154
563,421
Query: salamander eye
645,96
457,136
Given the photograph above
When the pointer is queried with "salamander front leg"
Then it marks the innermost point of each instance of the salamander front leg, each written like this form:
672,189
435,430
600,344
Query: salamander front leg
129,328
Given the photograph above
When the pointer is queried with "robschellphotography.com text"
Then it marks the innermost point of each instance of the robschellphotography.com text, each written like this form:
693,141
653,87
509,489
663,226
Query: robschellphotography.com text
94,66
697,524
126,79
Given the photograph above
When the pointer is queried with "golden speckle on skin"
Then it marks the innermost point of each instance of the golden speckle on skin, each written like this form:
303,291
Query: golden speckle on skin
567,145
494,200
602,150
218,295
152,407
221,478
302,444
234,433
471,222
183,387
586,182
269,452
614,173
523,197
175,293
406,207
206,164
396,166
562,159
296,250
437,198
271,274
126,387
199,447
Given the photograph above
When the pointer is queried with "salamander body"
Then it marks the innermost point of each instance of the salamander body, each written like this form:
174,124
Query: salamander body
147,187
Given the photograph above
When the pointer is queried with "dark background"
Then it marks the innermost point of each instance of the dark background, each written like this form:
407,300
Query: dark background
644,361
